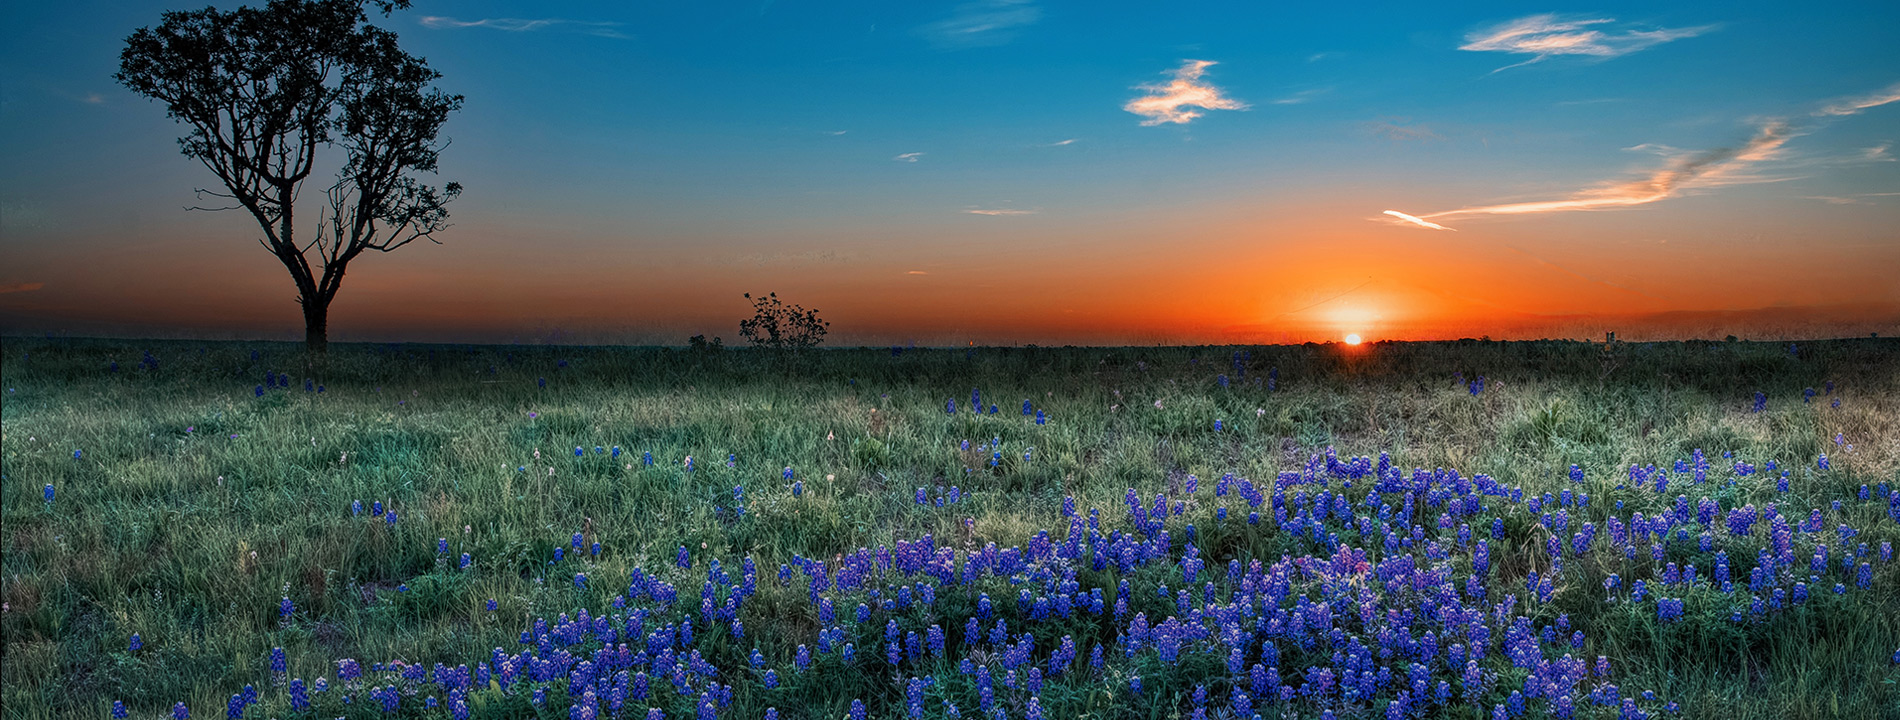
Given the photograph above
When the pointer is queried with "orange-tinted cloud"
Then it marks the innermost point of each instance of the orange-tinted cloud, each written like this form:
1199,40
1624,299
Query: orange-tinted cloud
1168,103
21,287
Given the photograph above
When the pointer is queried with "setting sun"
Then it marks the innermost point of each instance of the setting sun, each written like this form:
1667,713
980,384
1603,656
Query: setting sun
1352,339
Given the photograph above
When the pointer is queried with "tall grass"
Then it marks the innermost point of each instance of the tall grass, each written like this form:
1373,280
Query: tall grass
194,505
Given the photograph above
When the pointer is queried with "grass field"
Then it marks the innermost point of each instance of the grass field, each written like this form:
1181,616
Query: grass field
1262,533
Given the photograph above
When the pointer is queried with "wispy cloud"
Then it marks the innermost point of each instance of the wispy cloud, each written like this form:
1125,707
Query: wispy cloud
1685,171
584,27
916,272
908,157
1001,212
1855,105
798,259
1415,221
1549,34
1860,199
20,287
1168,103
1060,143
1401,130
1302,96
1708,168
982,23
1877,153
835,133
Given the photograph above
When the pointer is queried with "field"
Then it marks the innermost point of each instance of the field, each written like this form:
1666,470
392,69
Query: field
1462,529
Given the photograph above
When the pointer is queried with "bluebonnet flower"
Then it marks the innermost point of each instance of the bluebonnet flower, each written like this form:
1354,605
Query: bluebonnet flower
465,562
118,710
798,488
136,642
492,604
950,408
47,493
180,712
285,608
1025,407
1761,402
278,663
1040,418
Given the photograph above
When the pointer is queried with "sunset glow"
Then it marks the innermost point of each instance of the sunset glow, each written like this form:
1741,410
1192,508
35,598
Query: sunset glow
1352,339
1003,173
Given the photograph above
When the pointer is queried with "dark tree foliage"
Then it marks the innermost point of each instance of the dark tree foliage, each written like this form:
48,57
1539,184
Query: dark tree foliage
779,326
264,90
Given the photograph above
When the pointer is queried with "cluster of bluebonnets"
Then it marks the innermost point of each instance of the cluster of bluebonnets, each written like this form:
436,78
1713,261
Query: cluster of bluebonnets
1388,601
1394,607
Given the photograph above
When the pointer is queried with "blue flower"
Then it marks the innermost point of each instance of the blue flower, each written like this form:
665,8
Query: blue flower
48,493
136,642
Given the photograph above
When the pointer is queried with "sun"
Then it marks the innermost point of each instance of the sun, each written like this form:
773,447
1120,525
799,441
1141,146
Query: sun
1352,339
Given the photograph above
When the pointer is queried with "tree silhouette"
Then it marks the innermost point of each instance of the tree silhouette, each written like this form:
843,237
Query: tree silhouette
264,91
780,327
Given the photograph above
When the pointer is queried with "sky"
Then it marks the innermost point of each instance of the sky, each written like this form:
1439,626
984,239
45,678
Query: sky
1026,171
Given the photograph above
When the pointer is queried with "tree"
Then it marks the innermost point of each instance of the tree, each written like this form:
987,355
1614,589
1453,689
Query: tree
263,91
779,326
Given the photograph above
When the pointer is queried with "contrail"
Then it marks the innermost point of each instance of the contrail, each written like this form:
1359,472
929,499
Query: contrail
1416,221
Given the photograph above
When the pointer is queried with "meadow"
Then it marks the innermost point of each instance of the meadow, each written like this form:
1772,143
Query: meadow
1460,529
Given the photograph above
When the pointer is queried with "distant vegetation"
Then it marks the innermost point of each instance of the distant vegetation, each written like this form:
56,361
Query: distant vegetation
1460,529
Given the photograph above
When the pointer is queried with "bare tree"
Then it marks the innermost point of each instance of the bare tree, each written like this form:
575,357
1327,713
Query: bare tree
264,90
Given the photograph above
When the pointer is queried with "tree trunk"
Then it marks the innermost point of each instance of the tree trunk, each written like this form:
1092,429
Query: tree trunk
316,326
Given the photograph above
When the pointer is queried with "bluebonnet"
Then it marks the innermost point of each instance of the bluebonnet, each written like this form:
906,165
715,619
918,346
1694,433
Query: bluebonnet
136,643
47,493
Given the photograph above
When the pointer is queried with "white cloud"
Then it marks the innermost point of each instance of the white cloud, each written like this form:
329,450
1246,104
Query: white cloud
1302,96
1542,36
601,29
908,157
1060,143
982,23
1854,106
1167,103
1001,212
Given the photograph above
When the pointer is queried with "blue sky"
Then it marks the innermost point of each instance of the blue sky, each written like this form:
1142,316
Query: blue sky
953,171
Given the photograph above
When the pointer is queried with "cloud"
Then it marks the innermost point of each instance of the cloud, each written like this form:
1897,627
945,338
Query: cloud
983,23
1416,221
916,272
20,287
1542,36
1001,212
798,259
836,132
1061,143
600,29
1710,168
908,157
1165,103
1854,106
1877,153
1301,96
1850,200
1401,130
1720,166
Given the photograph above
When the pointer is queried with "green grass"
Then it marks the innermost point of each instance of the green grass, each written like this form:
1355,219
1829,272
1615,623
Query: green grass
191,538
